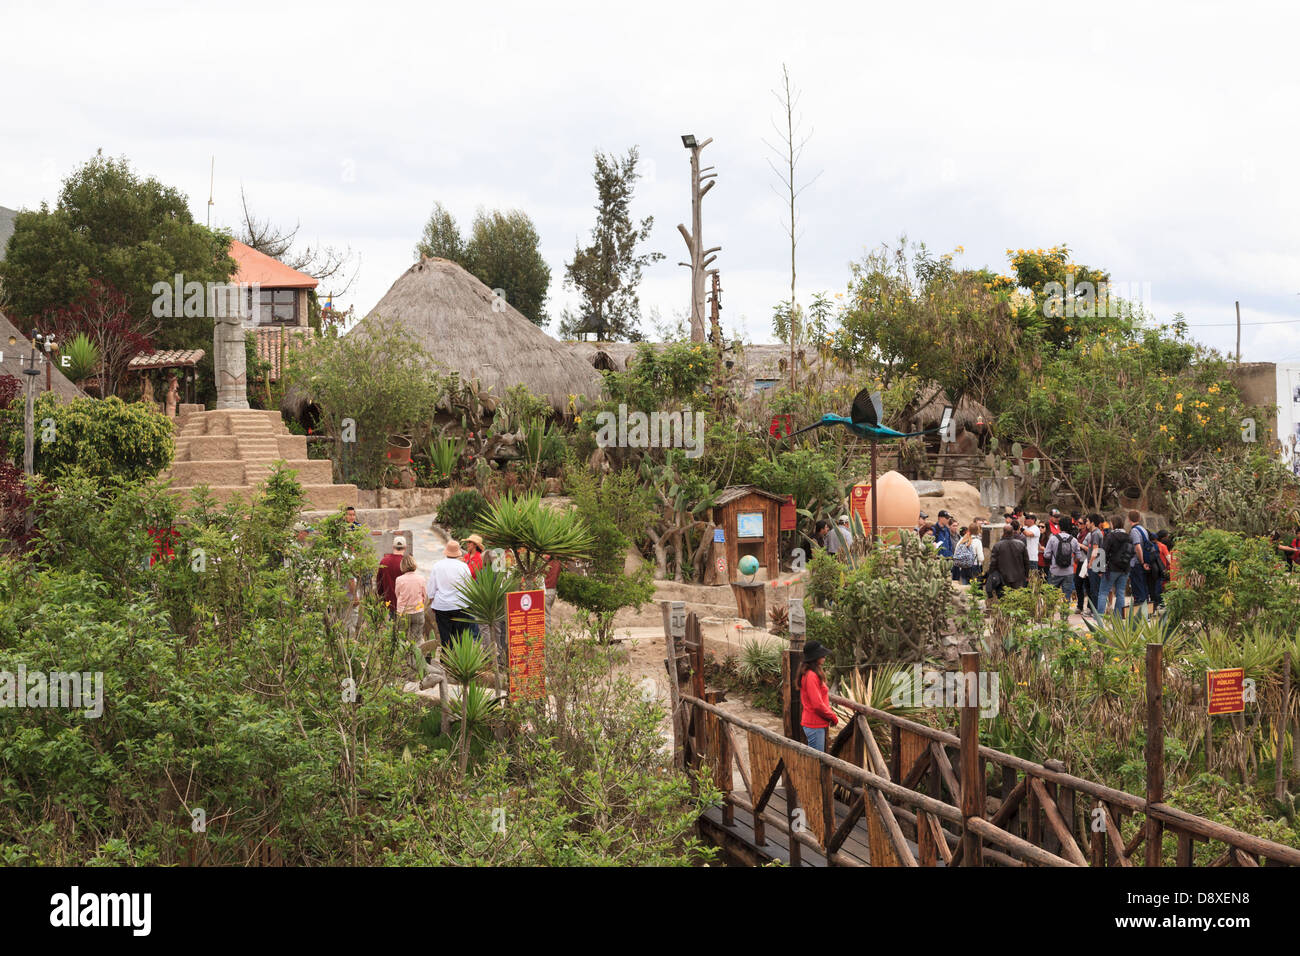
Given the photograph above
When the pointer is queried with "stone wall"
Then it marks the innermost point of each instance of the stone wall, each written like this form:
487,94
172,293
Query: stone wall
406,501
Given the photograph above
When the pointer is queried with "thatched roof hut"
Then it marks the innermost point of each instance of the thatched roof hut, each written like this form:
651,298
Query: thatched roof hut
451,313
13,360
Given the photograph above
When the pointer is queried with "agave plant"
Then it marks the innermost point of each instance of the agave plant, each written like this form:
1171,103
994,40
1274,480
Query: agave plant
1129,636
531,532
759,660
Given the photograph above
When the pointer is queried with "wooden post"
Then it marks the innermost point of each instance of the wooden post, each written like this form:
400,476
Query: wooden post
1279,779
675,627
875,497
972,784
1155,751
1238,304
701,258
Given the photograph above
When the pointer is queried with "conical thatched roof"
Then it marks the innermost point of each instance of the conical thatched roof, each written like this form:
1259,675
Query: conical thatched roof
13,361
450,312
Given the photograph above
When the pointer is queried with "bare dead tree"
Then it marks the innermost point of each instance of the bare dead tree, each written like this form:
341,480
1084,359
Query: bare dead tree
702,180
322,263
789,150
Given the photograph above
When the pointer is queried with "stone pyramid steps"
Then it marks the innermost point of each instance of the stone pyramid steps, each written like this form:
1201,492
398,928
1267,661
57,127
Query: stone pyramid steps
233,450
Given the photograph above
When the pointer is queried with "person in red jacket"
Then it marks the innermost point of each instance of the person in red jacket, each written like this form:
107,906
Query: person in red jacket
814,697
390,568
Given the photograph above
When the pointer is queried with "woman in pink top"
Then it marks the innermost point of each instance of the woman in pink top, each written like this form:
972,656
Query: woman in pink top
409,588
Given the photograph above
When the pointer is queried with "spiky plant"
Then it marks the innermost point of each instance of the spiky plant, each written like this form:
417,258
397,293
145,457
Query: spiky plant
465,660
523,526
759,660
83,357
485,600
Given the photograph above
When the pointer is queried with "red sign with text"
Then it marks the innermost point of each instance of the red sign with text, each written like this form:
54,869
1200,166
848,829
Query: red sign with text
858,504
1226,691
526,642
789,515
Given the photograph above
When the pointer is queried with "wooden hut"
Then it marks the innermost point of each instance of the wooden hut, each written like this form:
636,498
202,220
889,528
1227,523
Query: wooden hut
750,520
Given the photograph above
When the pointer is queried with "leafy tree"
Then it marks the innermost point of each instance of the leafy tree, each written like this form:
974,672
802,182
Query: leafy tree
503,253
441,237
379,377
100,437
110,224
614,509
606,272
104,317
1068,299
911,315
1124,409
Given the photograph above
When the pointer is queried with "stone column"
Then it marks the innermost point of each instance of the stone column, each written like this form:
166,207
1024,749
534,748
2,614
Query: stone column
230,363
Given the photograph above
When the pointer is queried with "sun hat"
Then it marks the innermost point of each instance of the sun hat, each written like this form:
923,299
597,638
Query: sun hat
844,519
452,550
814,651
399,544
476,540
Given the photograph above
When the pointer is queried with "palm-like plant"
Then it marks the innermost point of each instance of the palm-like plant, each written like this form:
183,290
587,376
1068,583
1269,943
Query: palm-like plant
465,660
83,357
444,454
530,532
485,600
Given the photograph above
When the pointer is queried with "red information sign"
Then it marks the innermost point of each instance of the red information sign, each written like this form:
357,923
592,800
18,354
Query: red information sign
858,503
526,639
1225,690
789,515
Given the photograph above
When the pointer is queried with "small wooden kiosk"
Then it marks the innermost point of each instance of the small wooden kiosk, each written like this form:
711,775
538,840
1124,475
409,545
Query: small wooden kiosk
749,520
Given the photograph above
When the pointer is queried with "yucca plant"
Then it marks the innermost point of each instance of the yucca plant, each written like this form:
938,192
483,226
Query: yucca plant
530,531
83,357
1128,637
465,660
485,601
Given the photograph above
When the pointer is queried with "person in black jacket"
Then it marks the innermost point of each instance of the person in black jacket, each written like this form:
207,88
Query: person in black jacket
1008,564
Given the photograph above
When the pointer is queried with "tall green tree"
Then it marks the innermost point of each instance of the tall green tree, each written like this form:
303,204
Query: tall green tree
110,224
441,237
502,252
606,272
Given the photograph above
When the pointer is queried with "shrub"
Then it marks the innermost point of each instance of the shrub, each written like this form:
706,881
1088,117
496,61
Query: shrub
103,437
460,511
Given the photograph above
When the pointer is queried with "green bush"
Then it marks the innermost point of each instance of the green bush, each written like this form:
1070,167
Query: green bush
460,511
1226,579
103,437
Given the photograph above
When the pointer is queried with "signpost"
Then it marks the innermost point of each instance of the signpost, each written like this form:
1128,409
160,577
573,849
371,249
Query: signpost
858,503
526,642
1225,691
789,515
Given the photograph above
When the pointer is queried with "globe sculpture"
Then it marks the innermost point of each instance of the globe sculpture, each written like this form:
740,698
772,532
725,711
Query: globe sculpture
748,565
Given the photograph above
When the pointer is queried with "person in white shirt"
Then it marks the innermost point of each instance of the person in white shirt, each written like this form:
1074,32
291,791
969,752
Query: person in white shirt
839,538
445,578
1031,531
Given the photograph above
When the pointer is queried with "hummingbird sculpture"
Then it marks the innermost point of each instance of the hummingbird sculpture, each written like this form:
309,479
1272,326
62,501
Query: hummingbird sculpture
865,420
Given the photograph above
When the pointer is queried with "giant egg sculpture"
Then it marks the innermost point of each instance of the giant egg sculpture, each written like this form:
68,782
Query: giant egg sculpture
899,507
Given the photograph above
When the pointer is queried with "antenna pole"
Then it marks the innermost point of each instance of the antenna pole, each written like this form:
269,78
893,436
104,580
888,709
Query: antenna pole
211,181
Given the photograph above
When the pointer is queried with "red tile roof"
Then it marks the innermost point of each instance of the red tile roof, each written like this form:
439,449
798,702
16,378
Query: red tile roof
259,268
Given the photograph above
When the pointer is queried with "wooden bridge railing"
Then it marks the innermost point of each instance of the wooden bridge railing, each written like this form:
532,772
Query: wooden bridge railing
917,807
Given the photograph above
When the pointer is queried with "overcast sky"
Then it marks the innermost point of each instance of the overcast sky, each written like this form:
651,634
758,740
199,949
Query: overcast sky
1159,141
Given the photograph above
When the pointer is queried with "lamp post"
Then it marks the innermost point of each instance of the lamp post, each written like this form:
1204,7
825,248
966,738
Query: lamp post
701,258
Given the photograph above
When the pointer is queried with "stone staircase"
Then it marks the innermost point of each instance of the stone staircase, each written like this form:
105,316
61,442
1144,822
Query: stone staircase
233,450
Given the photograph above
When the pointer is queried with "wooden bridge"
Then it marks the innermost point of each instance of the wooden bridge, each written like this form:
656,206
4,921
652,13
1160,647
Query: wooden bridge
894,792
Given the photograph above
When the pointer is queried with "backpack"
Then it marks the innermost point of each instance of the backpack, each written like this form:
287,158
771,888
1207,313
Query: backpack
1150,551
1119,550
964,556
1063,557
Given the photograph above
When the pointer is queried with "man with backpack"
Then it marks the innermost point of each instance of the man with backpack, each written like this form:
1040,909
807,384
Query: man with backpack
1118,549
1059,556
1144,563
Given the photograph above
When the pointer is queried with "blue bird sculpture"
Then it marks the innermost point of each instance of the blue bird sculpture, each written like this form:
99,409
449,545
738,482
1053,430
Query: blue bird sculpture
864,420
